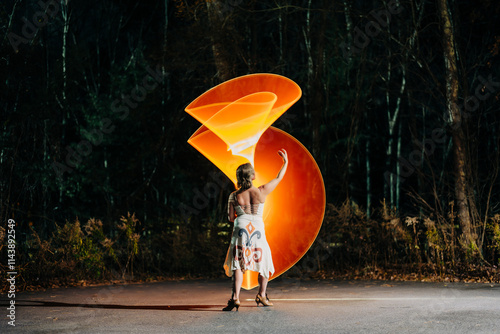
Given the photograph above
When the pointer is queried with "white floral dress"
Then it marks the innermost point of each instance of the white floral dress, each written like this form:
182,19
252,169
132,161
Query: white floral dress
249,249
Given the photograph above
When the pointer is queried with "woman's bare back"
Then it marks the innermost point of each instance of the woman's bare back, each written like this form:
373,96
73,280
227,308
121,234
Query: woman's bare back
250,199
250,196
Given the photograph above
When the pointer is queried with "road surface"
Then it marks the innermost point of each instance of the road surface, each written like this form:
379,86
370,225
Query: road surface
300,306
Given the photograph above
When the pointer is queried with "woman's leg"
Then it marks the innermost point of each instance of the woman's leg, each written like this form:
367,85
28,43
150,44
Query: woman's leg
262,285
238,281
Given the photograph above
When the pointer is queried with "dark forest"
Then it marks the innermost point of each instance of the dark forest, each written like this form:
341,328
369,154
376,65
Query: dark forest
399,109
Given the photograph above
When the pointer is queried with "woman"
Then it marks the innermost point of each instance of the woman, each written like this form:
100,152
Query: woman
249,249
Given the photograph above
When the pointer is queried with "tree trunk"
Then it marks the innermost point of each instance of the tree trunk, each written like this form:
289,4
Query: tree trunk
315,67
65,15
468,239
306,98
220,25
392,119
368,169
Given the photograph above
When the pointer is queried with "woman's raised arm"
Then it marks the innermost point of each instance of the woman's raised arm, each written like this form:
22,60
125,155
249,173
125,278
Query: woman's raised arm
267,188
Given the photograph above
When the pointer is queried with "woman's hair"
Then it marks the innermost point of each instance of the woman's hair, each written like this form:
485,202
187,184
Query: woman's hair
244,175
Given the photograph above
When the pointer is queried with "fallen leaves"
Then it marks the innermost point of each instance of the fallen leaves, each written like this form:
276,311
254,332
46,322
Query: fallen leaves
420,273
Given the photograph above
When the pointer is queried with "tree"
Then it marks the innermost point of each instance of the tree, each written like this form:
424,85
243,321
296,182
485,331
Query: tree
455,119
221,28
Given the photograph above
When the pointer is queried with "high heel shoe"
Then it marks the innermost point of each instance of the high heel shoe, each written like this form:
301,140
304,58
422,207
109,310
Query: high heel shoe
232,303
262,300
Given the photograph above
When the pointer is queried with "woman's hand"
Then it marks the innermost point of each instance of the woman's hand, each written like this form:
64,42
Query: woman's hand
284,155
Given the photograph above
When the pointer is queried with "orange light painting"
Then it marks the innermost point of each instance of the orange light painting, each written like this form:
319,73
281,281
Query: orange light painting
237,117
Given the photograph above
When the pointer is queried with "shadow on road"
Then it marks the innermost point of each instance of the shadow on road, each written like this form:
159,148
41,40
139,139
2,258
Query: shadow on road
32,303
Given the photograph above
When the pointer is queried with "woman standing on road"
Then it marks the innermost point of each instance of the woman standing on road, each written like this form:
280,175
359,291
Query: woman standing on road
249,249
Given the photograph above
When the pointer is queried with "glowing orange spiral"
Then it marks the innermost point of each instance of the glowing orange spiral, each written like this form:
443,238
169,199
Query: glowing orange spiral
237,117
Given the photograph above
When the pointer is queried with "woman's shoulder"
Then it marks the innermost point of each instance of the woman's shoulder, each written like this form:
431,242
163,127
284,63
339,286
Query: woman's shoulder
232,197
257,194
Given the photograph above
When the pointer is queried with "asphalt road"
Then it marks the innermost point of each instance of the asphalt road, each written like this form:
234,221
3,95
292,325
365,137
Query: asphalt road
299,307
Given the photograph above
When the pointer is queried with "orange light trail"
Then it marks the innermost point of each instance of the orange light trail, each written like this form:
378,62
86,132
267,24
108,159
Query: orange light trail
237,117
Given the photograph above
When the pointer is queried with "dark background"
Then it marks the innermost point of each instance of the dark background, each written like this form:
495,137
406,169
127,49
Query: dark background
100,179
